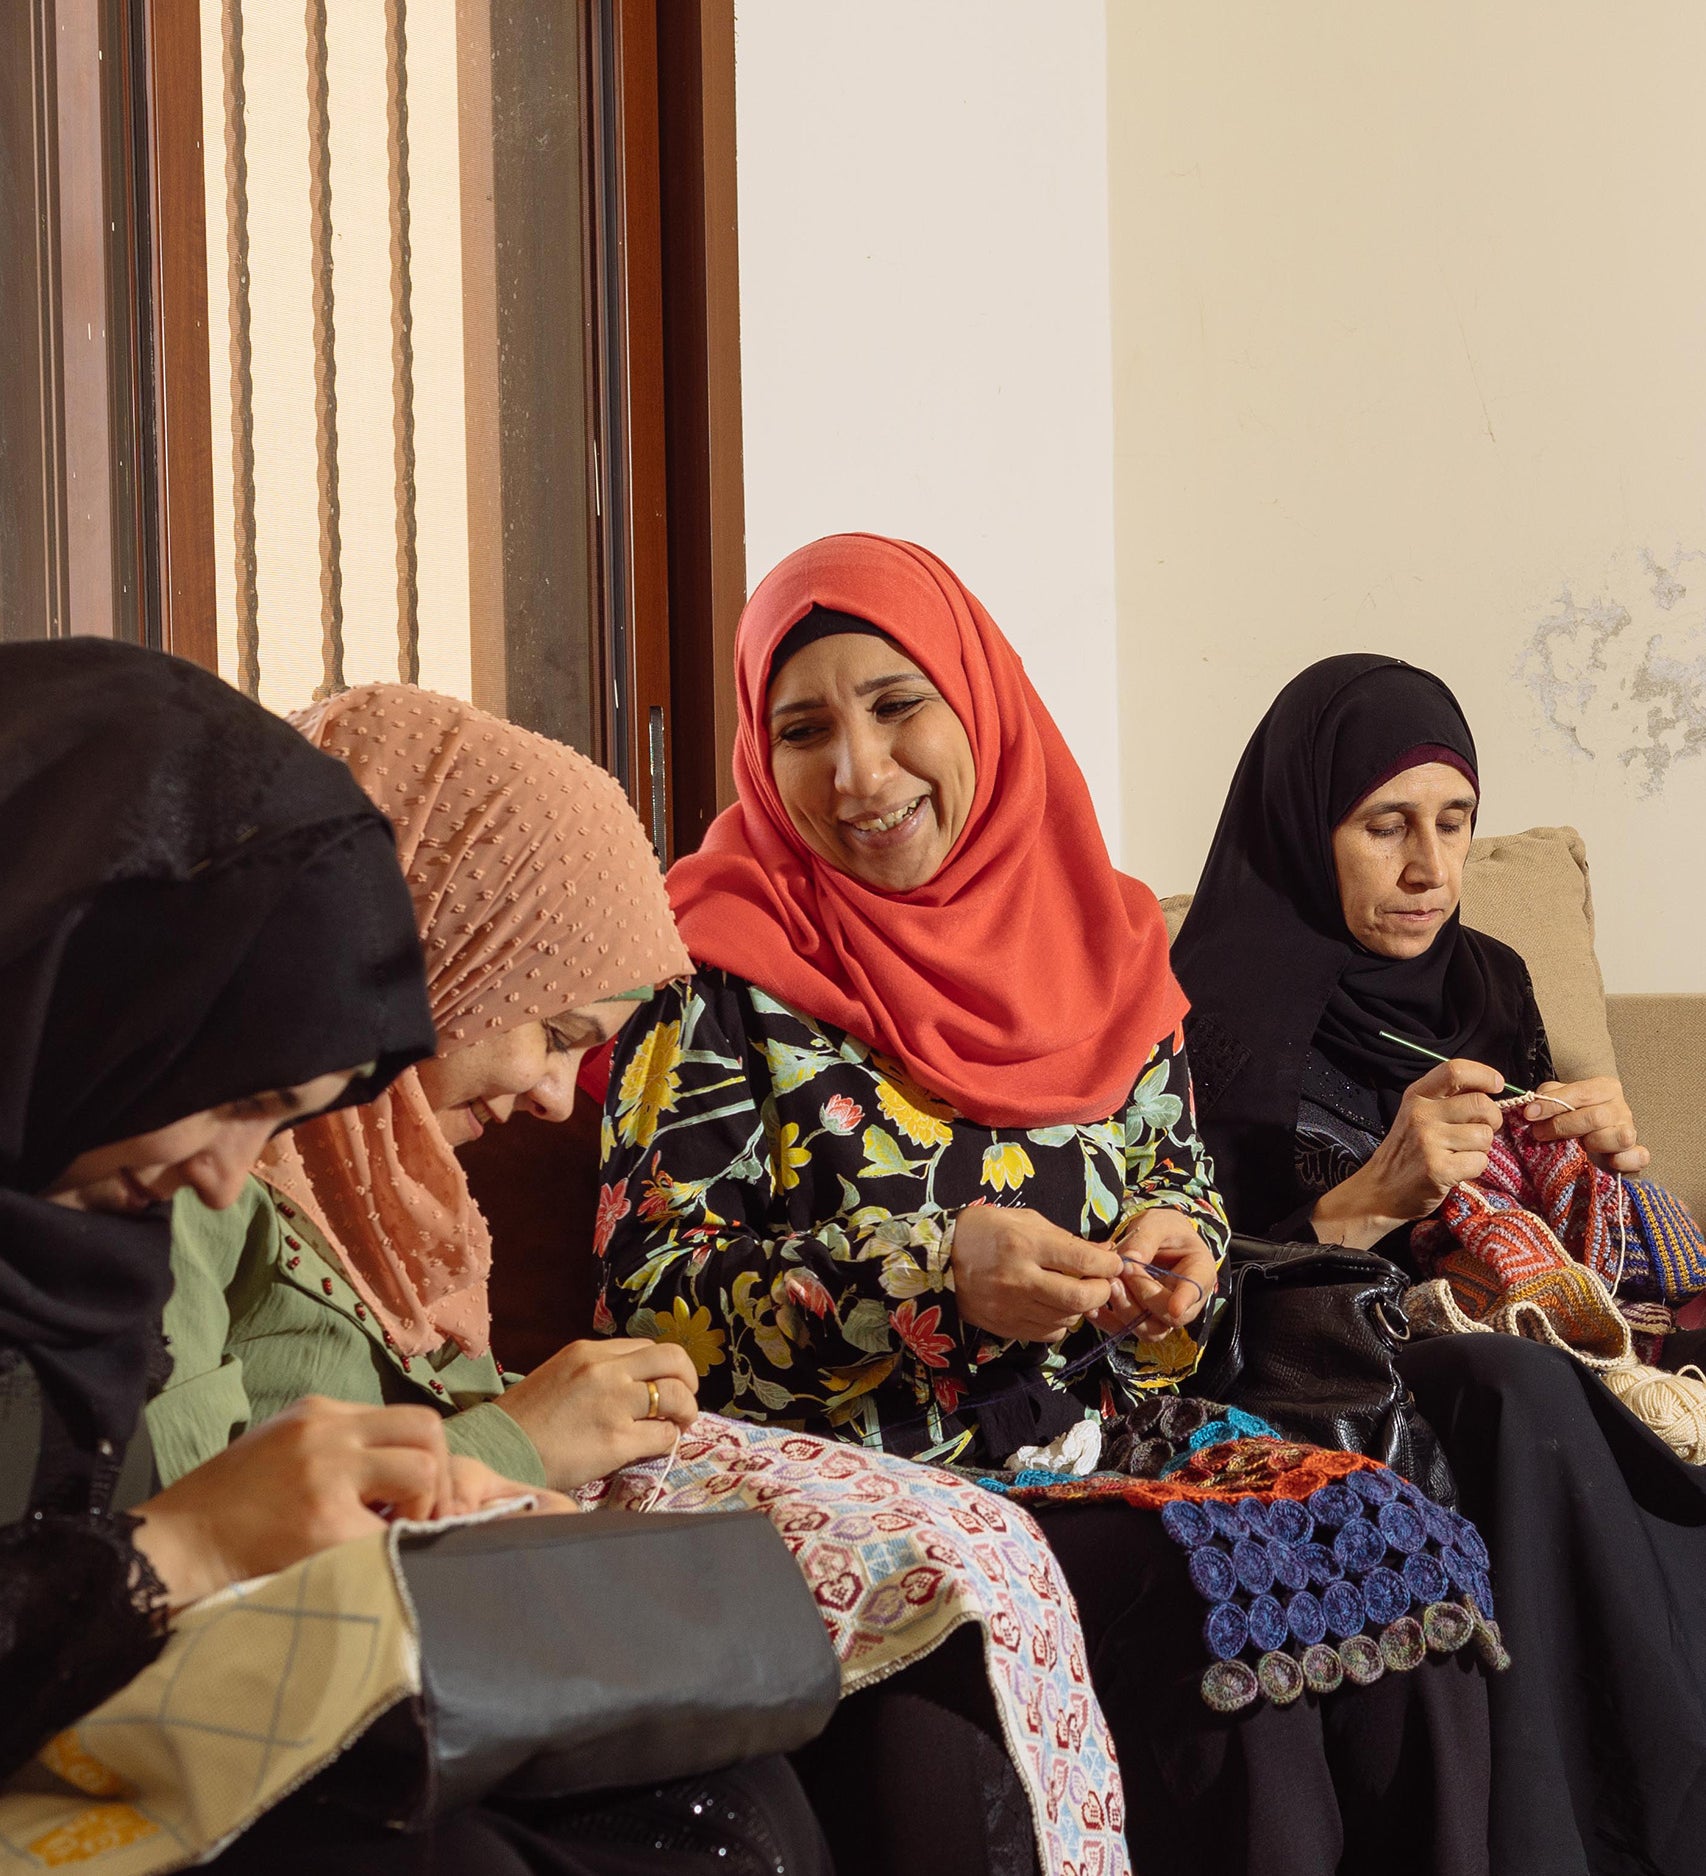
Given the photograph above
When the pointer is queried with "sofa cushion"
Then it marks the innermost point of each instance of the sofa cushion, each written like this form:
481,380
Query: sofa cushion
1531,890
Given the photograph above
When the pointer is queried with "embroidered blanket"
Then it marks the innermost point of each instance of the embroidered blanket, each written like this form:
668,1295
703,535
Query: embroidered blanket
898,1556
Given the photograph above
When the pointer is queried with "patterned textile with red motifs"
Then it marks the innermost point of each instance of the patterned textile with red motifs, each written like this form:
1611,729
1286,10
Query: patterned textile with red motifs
900,1555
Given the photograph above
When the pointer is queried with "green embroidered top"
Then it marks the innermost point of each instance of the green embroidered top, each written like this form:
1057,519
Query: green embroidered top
262,1314
778,1198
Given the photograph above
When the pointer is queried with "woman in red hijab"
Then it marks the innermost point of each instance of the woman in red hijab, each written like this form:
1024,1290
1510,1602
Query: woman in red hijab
869,1163
912,1159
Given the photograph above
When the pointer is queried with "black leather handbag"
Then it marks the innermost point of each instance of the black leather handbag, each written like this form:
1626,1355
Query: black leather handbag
1306,1339
563,1655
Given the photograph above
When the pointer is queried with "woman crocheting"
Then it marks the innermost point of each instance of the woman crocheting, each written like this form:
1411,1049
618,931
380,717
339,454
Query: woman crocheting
204,938
358,1265
1324,942
912,1159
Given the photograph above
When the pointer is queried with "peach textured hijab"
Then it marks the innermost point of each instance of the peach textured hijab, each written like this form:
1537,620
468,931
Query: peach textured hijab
536,892
1027,982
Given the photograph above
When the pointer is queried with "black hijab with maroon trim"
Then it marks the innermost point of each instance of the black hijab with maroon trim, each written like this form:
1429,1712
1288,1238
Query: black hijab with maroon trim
1266,958
196,906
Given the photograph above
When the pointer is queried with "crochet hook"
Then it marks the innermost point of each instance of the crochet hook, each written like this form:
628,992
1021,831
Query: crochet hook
1510,1091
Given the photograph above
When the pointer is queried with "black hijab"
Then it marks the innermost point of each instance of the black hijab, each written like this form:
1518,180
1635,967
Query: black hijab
195,906
1264,953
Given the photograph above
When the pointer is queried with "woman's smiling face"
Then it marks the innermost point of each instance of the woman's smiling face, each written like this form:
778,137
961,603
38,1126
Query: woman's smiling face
873,766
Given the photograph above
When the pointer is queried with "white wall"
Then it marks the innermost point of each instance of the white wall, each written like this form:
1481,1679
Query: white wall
1409,356
924,311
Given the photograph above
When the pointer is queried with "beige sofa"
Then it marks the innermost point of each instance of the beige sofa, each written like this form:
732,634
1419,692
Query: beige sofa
1533,891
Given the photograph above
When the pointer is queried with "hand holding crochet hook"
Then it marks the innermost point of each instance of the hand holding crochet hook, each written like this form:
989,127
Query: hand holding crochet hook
1443,1133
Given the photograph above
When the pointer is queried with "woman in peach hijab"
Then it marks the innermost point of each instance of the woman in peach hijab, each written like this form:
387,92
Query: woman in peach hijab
359,1269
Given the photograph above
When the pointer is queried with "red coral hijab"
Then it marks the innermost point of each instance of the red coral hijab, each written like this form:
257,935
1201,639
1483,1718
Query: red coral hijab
1027,982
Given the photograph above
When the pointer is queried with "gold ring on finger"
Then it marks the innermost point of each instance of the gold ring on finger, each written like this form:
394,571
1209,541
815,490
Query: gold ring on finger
651,1400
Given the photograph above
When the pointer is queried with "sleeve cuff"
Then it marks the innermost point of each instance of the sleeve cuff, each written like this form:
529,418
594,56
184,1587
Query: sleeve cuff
490,1435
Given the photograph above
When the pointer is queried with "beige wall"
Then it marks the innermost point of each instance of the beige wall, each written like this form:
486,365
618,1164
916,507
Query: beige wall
1409,356
924,311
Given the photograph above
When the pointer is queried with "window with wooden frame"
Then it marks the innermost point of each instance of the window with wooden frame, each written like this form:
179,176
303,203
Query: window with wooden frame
388,341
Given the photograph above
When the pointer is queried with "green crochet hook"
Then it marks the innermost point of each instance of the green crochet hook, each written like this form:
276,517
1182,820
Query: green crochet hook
1508,1092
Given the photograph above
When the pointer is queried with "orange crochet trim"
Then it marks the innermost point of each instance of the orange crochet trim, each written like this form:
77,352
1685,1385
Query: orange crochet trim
1250,1468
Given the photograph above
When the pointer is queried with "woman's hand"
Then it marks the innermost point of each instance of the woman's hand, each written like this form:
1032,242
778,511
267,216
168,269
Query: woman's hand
318,1474
1022,1278
1442,1135
1149,1307
1597,1115
586,1409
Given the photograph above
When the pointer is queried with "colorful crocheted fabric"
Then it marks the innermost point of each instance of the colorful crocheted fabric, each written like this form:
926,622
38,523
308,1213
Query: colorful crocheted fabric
899,1555
1543,1203
1318,1566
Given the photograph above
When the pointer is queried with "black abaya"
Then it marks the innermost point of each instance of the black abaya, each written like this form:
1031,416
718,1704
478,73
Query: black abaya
1598,1534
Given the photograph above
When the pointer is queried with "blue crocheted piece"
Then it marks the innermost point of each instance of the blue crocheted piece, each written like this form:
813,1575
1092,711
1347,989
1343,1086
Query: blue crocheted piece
1365,1576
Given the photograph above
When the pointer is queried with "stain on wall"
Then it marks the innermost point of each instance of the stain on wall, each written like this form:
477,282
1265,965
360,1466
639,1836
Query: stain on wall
1620,676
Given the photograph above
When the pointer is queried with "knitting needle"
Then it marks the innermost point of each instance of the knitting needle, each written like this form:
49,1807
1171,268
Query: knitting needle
1509,1091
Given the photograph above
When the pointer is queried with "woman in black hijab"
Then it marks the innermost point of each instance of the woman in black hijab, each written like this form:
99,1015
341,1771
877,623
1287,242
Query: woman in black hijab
1327,915
205,936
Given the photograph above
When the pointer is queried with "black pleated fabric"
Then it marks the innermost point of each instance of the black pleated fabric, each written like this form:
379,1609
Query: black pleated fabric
1598,1535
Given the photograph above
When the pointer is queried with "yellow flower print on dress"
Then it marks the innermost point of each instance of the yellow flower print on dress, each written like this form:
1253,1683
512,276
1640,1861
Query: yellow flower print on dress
923,1119
650,1084
692,1330
787,1157
1006,1166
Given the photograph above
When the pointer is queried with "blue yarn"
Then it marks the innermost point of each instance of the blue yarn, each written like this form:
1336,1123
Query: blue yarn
1469,1542
1291,1567
1344,1608
1254,1566
1323,1565
1402,1526
1267,1623
1359,1546
1386,1594
1288,1521
1333,1505
1224,1519
1426,1578
1252,1514
1376,1487
1186,1524
1306,1619
1441,1524
1226,1629
1212,1574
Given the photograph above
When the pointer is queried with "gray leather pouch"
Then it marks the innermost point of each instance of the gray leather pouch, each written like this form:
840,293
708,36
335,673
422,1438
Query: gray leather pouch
562,1655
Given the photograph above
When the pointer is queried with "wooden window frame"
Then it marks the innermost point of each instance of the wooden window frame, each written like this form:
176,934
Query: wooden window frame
665,345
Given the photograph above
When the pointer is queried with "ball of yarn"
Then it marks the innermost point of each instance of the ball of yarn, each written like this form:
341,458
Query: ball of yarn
1280,1677
1673,1405
1333,1505
1386,1594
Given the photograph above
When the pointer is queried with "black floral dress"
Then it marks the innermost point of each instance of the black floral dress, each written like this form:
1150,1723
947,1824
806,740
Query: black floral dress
779,1198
